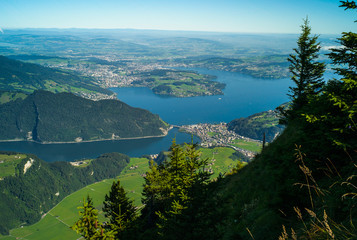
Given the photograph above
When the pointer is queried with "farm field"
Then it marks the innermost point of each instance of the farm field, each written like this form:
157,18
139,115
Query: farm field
8,164
248,145
219,159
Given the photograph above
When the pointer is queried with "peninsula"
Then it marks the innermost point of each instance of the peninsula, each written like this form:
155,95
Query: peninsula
46,117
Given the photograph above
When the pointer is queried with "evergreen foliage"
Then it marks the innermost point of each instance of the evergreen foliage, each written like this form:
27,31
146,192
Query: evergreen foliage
336,110
27,195
64,117
119,209
169,190
307,73
302,185
89,226
256,125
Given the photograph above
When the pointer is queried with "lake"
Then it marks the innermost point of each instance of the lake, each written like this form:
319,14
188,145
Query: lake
76,151
242,97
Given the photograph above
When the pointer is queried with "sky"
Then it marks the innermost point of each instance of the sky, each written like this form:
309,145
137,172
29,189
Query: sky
244,16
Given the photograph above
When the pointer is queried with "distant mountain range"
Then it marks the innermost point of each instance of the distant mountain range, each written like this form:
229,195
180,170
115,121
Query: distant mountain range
47,117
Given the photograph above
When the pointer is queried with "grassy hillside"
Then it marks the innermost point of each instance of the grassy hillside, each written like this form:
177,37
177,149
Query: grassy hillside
179,83
220,159
27,77
262,66
8,164
11,96
55,224
30,187
294,174
47,117
256,125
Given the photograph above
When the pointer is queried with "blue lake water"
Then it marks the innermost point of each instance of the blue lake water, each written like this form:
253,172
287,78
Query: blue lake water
242,97
73,151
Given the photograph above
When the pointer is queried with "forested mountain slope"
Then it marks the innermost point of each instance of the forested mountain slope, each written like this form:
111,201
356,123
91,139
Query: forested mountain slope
36,186
256,125
47,117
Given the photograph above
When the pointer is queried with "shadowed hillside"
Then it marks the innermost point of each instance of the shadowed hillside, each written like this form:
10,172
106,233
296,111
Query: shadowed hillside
63,117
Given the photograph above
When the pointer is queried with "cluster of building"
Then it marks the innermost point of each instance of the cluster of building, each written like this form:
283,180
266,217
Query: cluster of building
108,76
214,135
96,95
211,134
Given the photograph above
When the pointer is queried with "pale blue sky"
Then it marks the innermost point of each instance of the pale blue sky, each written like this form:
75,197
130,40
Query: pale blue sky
258,16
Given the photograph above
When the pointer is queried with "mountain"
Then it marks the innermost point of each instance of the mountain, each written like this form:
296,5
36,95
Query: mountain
63,117
27,77
34,186
300,184
256,125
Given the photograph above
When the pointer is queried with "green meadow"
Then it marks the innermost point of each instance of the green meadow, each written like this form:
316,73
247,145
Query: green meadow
8,164
219,159
10,96
56,223
248,145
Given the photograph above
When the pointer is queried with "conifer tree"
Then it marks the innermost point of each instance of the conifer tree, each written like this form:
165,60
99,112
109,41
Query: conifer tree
336,109
88,225
119,209
307,72
168,188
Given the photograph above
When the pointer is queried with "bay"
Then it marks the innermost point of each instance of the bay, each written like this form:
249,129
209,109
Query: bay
89,150
243,96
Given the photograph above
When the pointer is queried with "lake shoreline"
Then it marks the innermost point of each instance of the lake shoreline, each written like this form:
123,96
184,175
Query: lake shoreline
89,141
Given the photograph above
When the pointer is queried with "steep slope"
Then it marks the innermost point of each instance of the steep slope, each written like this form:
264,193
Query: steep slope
256,125
37,185
299,172
47,117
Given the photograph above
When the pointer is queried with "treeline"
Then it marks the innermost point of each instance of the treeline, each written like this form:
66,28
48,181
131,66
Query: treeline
63,117
34,191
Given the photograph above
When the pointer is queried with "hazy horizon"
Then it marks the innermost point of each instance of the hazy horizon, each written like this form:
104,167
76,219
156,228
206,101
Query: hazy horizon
224,16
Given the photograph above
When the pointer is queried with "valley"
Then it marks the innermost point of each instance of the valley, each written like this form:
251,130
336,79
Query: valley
55,223
126,58
92,93
95,73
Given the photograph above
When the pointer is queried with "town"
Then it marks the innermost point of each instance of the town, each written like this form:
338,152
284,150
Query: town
213,135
